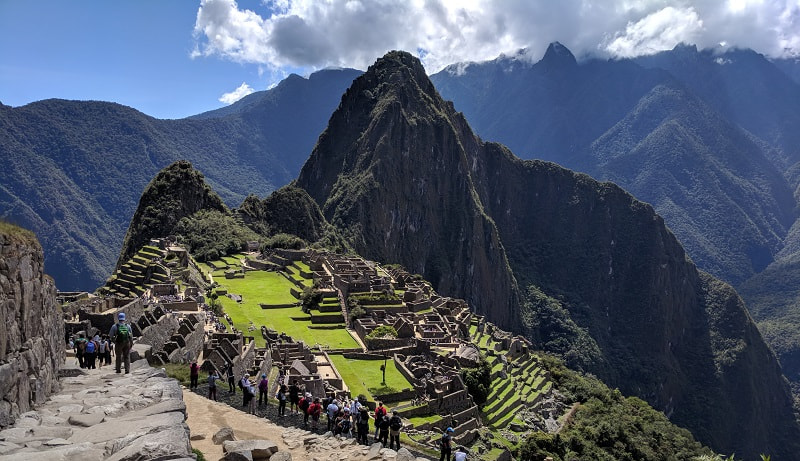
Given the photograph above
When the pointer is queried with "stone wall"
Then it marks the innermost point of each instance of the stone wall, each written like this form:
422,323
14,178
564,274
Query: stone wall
32,347
103,321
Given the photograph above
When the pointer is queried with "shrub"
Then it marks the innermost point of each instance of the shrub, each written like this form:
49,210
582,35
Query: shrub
382,332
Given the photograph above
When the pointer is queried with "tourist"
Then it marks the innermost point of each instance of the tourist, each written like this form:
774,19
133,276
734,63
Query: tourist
263,388
80,348
90,354
445,444
122,335
102,344
395,424
243,383
305,402
229,373
294,397
384,431
212,384
315,410
109,350
362,426
332,410
461,454
380,412
250,390
281,396
194,374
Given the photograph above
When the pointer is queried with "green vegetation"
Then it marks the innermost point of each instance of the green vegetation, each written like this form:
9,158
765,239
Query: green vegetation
288,241
14,231
608,426
383,331
383,297
179,371
364,376
212,234
478,381
199,454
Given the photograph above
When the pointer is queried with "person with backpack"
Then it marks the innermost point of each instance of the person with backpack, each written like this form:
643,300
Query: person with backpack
380,412
362,426
108,348
263,388
101,351
194,375
395,424
212,384
384,430
122,335
445,444
90,354
314,410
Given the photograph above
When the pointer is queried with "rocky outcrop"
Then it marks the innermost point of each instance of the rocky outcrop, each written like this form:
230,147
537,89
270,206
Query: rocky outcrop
32,347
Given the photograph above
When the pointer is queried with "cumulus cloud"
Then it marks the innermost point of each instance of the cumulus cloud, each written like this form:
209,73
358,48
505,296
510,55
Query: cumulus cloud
237,94
312,34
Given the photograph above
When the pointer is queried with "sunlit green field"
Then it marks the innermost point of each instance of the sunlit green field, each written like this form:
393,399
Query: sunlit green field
364,376
262,287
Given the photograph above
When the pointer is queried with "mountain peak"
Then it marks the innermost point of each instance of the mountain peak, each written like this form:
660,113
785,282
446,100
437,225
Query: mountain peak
560,55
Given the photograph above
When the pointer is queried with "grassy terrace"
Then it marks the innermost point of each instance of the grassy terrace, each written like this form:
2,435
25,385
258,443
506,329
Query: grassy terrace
261,287
364,376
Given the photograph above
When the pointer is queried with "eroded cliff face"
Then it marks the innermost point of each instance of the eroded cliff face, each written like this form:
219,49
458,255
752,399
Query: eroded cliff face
32,346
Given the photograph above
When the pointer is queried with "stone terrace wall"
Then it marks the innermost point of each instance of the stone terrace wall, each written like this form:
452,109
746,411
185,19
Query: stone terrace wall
32,347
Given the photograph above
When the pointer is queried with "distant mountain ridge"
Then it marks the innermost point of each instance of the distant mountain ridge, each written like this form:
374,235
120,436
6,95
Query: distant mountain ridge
551,253
73,170
581,115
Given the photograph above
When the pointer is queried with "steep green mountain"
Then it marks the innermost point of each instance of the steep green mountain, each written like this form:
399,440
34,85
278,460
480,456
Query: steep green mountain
704,175
72,170
747,89
538,249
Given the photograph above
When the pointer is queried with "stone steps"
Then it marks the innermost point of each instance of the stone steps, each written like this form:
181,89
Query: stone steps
103,415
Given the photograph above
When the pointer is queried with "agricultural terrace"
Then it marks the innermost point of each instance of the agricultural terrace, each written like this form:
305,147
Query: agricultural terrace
272,288
365,376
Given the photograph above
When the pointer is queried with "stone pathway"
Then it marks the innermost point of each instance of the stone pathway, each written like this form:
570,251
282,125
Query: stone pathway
101,415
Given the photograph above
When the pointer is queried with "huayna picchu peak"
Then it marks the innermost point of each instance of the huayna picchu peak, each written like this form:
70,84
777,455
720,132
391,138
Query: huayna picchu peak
581,266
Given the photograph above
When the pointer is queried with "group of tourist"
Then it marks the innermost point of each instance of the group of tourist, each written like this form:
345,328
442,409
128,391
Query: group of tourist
92,352
344,417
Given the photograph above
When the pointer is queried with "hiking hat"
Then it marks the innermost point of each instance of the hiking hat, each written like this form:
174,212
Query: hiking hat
263,376
449,429
121,316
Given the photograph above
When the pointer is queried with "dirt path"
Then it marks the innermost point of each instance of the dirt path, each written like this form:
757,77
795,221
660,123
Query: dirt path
206,417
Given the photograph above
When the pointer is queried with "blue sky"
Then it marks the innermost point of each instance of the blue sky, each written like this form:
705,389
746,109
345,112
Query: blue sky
175,58
133,53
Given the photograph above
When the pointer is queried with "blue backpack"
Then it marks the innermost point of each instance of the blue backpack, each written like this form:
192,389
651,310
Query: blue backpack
90,347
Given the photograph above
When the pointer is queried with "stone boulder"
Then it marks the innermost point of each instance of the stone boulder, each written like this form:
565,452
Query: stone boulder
222,435
260,449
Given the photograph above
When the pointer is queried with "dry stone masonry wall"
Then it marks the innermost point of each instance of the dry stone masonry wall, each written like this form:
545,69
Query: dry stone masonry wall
31,328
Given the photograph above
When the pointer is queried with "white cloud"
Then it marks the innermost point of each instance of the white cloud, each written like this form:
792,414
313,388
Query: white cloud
656,32
237,94
312,34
